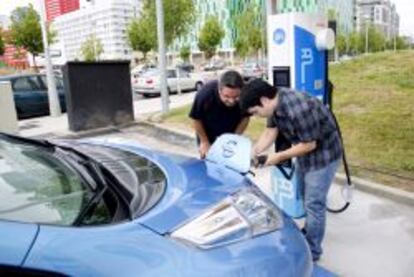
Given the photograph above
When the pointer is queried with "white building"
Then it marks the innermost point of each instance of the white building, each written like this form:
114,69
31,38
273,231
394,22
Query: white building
136,4
4,21
107,21
380,13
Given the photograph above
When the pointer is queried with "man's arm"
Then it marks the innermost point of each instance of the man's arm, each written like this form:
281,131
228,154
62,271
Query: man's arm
242,125
202,135
296,150
266,139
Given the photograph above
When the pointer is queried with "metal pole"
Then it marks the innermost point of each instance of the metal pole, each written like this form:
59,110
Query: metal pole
366,37
395,41
54,105
161,56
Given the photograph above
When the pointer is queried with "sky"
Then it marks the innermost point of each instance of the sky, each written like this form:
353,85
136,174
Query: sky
405,9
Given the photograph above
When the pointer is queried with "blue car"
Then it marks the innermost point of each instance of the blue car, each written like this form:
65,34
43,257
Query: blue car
30,94
113,208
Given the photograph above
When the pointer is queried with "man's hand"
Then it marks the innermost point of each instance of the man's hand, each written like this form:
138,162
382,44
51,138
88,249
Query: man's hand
203,149
274,159
259,161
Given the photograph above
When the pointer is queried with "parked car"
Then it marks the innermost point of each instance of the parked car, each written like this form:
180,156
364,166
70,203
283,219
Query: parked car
253,70
149,83
109,208
30,94
214,65
139,70
142,68
57,71
188,67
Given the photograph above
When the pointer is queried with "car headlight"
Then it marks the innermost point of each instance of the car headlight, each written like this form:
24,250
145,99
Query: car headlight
243,215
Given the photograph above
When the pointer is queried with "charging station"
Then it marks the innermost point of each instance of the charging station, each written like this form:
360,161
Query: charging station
297,56
297,59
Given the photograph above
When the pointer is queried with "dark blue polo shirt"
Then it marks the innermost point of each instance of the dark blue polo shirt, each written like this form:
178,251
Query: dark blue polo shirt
216,117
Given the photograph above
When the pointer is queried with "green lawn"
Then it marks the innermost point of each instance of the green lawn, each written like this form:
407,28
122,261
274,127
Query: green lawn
374,104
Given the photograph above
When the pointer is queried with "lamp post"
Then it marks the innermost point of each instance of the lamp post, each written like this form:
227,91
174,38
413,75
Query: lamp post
395,39
161,56
54,105
366,33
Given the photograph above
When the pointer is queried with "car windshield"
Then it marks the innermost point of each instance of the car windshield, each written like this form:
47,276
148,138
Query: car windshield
250,64
151,73
36,186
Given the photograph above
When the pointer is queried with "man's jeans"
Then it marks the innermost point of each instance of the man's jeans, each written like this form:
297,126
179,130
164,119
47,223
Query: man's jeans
316,185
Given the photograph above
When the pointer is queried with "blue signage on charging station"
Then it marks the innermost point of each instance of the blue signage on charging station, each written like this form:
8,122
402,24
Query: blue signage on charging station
279,36
310,64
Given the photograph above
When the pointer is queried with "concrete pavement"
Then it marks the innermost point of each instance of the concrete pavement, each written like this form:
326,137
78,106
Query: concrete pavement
59,125
374,237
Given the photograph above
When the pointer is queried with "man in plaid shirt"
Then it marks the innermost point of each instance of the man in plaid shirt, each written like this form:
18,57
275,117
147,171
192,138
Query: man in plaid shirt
311,130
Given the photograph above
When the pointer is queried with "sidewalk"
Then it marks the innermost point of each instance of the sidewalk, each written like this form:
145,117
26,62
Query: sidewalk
59,126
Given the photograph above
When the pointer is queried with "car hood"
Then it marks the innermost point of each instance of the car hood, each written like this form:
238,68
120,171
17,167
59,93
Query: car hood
193,185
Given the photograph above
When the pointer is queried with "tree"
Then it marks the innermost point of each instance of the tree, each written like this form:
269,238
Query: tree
249,32
179,15
2,46
376,40
332,14
91,49
341,44
402,43
185,53
141,36
210,36
25,31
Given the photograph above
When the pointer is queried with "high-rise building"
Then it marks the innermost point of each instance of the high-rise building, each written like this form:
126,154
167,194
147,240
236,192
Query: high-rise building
227,10
55,8
343,11
107,22
379,13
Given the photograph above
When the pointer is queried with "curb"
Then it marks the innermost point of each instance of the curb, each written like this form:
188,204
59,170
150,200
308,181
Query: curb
88,133
397,195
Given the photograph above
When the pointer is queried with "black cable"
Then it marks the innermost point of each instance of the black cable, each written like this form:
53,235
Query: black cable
346,167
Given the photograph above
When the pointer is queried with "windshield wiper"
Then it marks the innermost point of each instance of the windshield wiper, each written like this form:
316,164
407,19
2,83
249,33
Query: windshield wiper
37,142
93,167
100,173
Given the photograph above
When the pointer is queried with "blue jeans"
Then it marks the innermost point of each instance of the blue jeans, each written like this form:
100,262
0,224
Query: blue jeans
316,185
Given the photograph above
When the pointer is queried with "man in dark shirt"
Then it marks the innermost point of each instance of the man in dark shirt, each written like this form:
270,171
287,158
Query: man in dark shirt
216,110
309,126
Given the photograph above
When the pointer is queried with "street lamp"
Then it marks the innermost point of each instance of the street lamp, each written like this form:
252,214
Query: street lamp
367,17
395,39
54,105
161,56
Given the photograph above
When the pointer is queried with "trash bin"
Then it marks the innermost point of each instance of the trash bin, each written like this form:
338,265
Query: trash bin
98,94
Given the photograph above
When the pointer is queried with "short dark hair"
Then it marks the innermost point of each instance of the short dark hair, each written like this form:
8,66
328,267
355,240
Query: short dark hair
253,91
231,79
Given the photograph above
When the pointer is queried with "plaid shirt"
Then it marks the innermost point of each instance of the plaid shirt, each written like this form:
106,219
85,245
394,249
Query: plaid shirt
303,118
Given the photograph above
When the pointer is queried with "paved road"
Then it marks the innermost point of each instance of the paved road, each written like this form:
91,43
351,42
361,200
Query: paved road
144,106
374,237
